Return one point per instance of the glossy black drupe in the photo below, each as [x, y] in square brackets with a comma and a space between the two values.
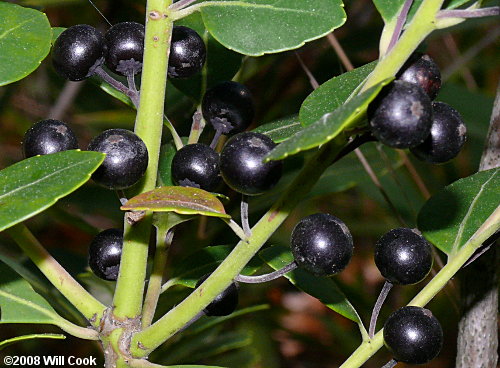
[448, 135]
[401, 116]
[228, 107]
[48, 136]
[105, 253]
[126, 158]
[187, 53]
[225, 303]
[403, 256]
[78, 51]
[124, 47]
[322, 244]
[421, 70]
[196, 165]
[413, 335]
[241, 164]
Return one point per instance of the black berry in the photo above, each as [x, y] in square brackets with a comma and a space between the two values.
[196, 165]
[78, 51]
[228, 107]
[187, 53]
[48, 136]
[225, 303]
[421, 70]
[322, 244]
[401, 116]
[413, 335]
[242, 167]
[124, 47]
[403, 256]
[105, 253]
[126, 158]
[448, 135]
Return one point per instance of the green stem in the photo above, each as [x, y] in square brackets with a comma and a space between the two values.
[147, 340]
[368, 348]
[149, 123]
[85, 303]
[163, 242]
[423, 23]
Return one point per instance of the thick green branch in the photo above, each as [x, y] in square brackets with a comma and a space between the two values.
[146, 341]
[149, 123]
[423, 23]
[90, 307]
[370, 347]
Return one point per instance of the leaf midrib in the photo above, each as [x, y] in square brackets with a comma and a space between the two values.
[47, 177]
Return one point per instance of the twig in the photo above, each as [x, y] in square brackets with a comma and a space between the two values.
[378, 306]
[134, 96]
[65, 99]
[244, 215]
[390, 364]
[196, 127]
[312, 81]
[469, 13]
[340, 52]
[268, 276]
[400, 24]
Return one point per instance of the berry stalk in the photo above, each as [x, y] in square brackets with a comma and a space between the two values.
[148, 126]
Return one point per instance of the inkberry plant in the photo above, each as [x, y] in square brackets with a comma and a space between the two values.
[422, 70]
[126, 158]
[187, 53]
[413, 335]
[223, 304]
[447, 136]
[196, 165]
[78, 51]
[127, 327]
[322, 244]
[124, 47]
[48, 136]
[105, 253]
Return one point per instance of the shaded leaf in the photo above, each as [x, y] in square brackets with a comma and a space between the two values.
[221, 64]
[451, 216]
[32, 185]
[332, 94]
[25, 38]
[167, 153]
[268, 26]
[5, 343]
[453, 4]
[56, 31]
[323, 288]
[189, 270]
[388, 9]
[329, 126]
[280, 130]
[19, 303]
[182, 200]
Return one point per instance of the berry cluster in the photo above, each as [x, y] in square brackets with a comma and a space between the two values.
[404, 116]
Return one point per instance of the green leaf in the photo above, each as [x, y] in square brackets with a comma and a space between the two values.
[267, 26]
[332, 94]
[189, 270]
[450, 217]
[56, 31]
[323, 288]
[453, 4]
[106, 87]
[32, 185]
[182, 200]
[167, 153]
[388, 9]
[221, 64]
[19, 303]
[280, 130]
[329, 126]
[25, 37]
[5, 343]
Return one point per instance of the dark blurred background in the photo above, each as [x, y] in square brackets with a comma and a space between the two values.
[296, 331]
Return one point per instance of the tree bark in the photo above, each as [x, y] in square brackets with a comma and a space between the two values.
[477, 330]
